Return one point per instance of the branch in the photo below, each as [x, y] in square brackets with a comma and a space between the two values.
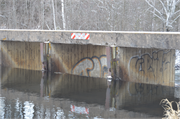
[102, 7]
[175, 19]
[47, 26]
[177, 12]
[163, 6]
[177, 1]
[115, 7]
[153, 7]
[148, 9]
[2, 16]
[161, 18]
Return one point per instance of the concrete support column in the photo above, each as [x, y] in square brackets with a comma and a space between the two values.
[154, 66]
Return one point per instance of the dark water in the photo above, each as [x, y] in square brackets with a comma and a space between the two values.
[33, 94]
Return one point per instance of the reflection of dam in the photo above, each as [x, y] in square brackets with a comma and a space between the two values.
[138, 96]
[93, 90]
[21, 80]
[67, 84]
[51, 95]
[54, 85]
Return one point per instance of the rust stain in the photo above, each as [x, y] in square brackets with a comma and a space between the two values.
[57, 64]
[124, 74]
[49, 45]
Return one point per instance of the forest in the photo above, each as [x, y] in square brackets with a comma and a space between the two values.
[104, 15]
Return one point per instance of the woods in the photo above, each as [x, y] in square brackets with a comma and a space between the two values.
[106, 15]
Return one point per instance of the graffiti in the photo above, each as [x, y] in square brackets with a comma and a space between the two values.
[94, 66]
[144, 63]
[140, 89]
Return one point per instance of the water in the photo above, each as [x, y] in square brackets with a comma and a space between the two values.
[33, 94]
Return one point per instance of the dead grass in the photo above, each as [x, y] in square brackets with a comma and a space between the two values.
[169, 112]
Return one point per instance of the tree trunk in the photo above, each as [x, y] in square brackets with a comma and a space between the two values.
[63, 16]
[54, 16]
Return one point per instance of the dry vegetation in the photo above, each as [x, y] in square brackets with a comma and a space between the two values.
[169, 112]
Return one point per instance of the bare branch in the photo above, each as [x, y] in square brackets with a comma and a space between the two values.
[177, 1]
[47, 26]
[163, 6]
[3, 16]
[175, 19]
[148, 9]
[176, 12]
[153, 7]
[161, 18]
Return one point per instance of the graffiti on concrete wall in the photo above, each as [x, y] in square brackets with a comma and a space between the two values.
[158, 61]
[91, 66]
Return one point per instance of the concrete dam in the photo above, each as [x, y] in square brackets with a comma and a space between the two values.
[144, 57]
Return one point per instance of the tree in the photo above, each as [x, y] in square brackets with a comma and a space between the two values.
[111, 9]
[63, 14]
[167, 13]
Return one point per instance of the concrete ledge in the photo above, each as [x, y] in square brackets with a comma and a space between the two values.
[161, 40]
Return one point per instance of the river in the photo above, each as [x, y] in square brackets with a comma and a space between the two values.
[35, 94]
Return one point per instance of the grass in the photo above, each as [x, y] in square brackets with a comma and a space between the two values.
[169, 112]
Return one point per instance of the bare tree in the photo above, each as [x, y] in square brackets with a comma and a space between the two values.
[167, 13]
[63, 15]
[54, 16]
[112, 8]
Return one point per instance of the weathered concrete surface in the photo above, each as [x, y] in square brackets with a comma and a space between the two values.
[85, 60]
[153, 66]
[161, 40]
[23, 55]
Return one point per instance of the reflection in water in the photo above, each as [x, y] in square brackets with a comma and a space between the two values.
[140, 97]
[18, 108]
[39, 111]
[79, 110]
[35, 94]
[60, 113]
[2, 107]
[47, 113]
[28, 110]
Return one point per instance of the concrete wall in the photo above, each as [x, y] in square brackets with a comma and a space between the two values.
[85, 60]
[154, 66]
[23, 55]
[161, 40]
